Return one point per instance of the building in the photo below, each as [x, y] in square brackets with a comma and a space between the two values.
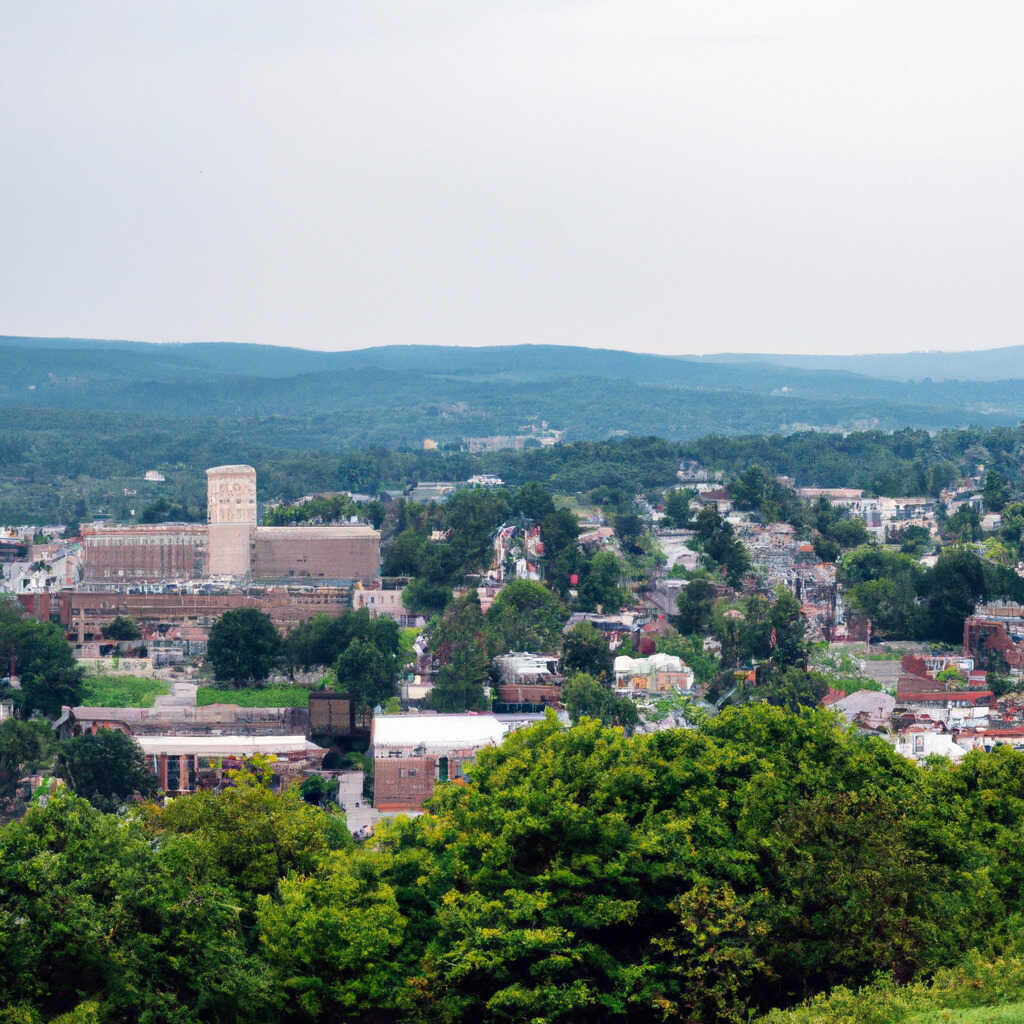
[921, 740]
[231, 513]
[183, 764]
[315, 552]
[528, 679]
[335, 714]
[413, 752]
[231, 544]
[130, 554]
[659, 673]
[384, 597]
[168, 719]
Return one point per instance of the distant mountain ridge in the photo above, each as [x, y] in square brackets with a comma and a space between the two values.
[1005, 363]
[397, 395]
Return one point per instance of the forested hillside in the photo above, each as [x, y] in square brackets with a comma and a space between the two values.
[398, 395]
[57, 466]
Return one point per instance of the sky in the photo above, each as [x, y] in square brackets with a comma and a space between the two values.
[673, 177]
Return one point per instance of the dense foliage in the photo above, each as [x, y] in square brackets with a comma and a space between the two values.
[43, 662]
[581, 876]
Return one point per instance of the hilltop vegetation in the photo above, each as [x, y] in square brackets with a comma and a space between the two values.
[698, 875]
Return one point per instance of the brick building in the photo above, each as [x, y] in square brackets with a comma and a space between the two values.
[84, 613]
[529, 679]
[231, 543]
[413, 752]
[164, 551]
[990, 641]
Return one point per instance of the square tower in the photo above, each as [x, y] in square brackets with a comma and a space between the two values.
[231, 515]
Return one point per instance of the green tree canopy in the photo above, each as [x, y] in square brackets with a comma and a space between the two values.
[106, 767]
[243, 646]
[525, 616]
[121, 627]
[601, 587]
[365, 673]
[585, 649]
[43, 660]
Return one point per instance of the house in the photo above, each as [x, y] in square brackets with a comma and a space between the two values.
[954, 708]
[986, 739]
[718, 498]
[528, 679]
[659, 673]
[869, 710]
[412, 752]
[923, 739]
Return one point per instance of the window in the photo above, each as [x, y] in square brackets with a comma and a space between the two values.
[918, 744]
[394, 753]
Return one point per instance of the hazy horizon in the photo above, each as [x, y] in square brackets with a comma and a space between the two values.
[649, 177]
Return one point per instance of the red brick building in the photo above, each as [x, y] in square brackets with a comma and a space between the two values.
[411, 753]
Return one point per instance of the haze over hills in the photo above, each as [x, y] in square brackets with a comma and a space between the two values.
[397, 395]
[984, 365]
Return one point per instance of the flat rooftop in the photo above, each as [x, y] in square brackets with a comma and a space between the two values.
[445, 732]
[227, 746]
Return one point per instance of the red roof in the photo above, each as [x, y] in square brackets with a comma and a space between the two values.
[975, 697]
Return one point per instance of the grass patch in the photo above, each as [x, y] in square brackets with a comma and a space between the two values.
[105, 691]
[976, 992]
[1009, 1013]
[263, 697]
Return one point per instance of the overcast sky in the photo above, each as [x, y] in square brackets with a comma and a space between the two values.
[674, 177]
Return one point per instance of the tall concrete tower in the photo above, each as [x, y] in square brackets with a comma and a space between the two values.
[231, 515]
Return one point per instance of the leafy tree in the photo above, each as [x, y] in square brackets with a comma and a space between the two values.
[165, 511]
[951, 590]
[460, 643]
[102, 923]
[601, 586]
[1011, 526]
[792, 688]
[996, 492]
[915, 540]
[24, 746]
[43, 660]
[827, 549]
[964, 524]
[248, 837]
[695, 603]
[317, 790]
[721, 546]
[629, 529]
[525, 616]
[532, 501]
[403, 556]
[677, 507]
[560, 530]
[459, 685]
[585, 649]
[364, 672]
[423, 596]
[106, 767]
[584, 695]
[121, 627]
[337, 938]
[243, 646]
